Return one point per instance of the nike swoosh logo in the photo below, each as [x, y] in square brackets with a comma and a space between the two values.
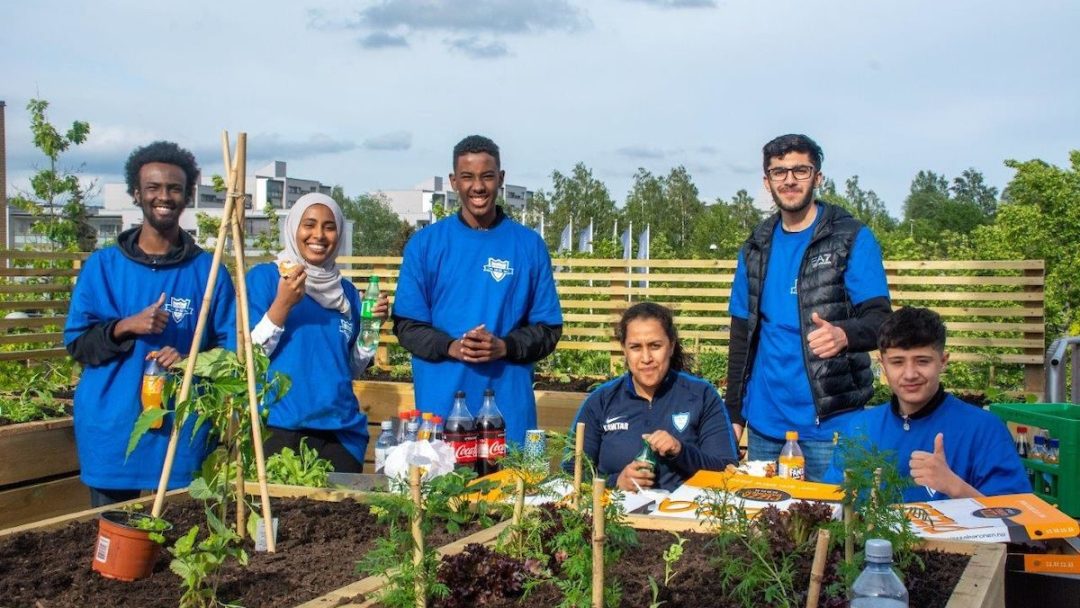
[610, 420]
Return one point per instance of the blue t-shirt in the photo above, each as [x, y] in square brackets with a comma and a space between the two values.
[778, 397]
[314, 351]
[107, 399]
[687, 407]
[455, 278]
[978, 446]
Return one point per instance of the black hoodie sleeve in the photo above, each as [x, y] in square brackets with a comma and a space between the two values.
[738, 350]
[422, 340]
[531, 343]
[97, 346]
[862, 328]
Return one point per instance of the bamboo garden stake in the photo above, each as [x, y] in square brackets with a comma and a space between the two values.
[189, 368]
[418, 534]
[598, 543]
[849, 520]
[579, 451]
[243, 333]
[519, 505]
[817, 570]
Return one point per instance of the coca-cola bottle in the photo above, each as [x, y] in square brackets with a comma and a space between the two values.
[460, 432]
[492, 431]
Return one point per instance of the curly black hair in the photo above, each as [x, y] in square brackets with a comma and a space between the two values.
[663, 314]
[912, 327]
[475, 144]
[162, 152]
[793, 142]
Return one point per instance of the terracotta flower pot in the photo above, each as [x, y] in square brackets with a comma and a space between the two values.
[124, 552]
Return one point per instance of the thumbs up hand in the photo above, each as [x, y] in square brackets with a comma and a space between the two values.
[931, 469]
[827, 340]
[150, 320]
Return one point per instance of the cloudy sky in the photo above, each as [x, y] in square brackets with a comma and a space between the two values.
[373, 94]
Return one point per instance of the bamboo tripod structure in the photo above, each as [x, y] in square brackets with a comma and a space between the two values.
[232, 216]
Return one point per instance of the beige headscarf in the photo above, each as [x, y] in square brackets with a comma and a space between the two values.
[323, 282]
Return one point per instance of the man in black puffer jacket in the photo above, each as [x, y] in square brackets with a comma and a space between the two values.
[807, 300]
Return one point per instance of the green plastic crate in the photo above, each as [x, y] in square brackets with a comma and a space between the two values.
[1062, 422]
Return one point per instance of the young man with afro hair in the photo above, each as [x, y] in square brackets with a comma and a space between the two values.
[135, 301]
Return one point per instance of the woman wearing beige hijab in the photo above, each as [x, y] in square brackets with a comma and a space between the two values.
[307, 320]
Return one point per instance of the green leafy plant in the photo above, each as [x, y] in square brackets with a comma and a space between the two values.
[297, 469]
[445, 502]
[218, 397]
[30, 404]
[139, 520]
[196, 561]
[671, 556]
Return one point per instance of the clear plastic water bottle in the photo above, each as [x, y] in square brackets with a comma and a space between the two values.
[412, 430]
[370, 325]
[383, 444]
[878, 586]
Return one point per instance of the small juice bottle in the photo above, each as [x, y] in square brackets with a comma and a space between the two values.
[153, 386]
[792, 463]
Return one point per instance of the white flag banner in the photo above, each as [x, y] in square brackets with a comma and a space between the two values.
[585, 239]
[643, 253]
[627, 240]
[566, 239]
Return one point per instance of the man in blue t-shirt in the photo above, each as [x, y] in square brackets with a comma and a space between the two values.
[951, 449]
[807, 299]
[135, 301]
[475, 302]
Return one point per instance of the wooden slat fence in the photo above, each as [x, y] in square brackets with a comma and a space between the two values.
[993, 309]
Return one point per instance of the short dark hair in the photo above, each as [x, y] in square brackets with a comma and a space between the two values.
[912, 327]
[162, 152]
[476, 144]
[792, 142]
[663, 314]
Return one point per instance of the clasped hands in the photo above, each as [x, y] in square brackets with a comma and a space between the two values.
[478, 345]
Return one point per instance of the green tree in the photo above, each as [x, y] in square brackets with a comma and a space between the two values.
[865, 205]
[722, 227]
[1039, 218]
[971, 188]
[581, 197]
[57, 199]
[683, 208]
[644, 203]
[377, 230]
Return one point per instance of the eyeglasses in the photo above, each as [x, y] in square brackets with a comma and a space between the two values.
[801, 173]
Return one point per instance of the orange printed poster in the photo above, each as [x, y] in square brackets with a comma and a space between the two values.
[746, 491]
[992, 519]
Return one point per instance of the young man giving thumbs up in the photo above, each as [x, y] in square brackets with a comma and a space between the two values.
[950, 448]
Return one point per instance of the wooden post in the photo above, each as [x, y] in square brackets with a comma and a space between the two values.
[417, 534]
[1035, 373]
[817, 570]
[579, 452]
[849, 521]
[598, 544]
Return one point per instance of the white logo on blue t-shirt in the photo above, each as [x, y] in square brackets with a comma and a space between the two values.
[346, 328]
[498, 269]
[680, 421]
[178, 308]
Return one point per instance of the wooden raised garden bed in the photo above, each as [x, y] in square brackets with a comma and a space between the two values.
[335, 597]
[39, 472]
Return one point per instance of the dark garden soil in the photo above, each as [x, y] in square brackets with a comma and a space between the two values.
[696, 582]
[318, 546]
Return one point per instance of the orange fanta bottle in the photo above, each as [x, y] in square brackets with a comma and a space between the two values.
[792, 463]
[153, 386]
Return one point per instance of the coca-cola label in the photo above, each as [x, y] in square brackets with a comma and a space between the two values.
[465, 449]
[492, 445]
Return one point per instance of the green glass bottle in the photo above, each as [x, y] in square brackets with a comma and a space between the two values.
[647, 455]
